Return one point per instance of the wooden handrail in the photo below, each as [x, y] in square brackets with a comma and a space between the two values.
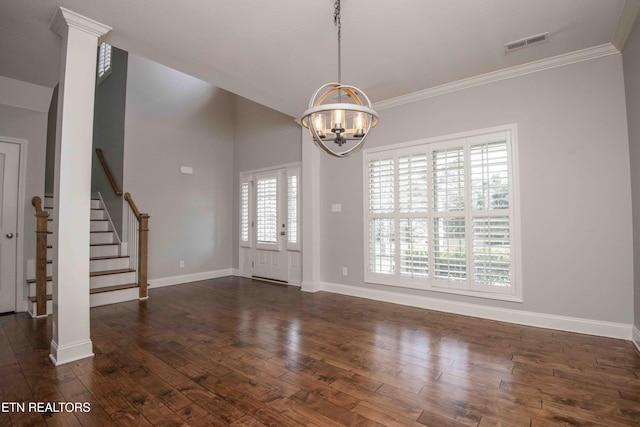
[41, 257]
[134, 208]
[107, 171]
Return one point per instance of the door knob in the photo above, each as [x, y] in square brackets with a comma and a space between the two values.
[9, 235]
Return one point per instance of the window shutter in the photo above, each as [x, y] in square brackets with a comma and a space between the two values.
[244, 213]
[293, 208]
[490, 176]
[267, 210]
[104, 61]
[492, 251]
[381, 186]
[448, 179]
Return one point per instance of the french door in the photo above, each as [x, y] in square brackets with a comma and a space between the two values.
[269, 209]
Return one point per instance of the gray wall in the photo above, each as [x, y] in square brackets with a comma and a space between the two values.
[262, 138]
[574, 186]
[631, 59]
[108, 134]
[175, 120]
[52, 123]
[32, 126]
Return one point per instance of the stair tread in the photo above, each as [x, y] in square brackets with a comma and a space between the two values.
[102, 231]
[97, 258]
[98, 290]
[113, 288]
[103, 244]
[108, 272]
[95, 274]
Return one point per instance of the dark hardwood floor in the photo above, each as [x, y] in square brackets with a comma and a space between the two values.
[242, 352]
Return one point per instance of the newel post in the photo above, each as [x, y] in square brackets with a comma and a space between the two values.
[142, 255]
[42, 218]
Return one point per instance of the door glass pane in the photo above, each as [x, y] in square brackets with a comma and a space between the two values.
[267, 210]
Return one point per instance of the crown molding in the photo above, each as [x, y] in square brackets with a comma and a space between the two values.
[495, 76]
[628, 17]
[65, 18]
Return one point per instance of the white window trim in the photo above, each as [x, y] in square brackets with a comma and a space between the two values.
[465, 288]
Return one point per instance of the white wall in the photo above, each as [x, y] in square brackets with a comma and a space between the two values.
[174, 120]
[262, 138]
[574, 186]
[631, 59]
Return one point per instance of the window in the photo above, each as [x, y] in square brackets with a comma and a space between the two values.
[245, 211]
[441, 215]
[104, 61]
[293, 208]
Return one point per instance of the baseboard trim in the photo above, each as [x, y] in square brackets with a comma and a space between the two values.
[70, 352]
[186, 278]
[636, 337]
[528, 318]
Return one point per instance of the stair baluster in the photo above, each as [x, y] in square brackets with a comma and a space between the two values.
[41, 257]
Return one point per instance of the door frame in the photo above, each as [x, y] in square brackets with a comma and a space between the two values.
[20, 302]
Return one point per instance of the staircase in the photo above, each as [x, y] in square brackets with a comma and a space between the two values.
[111, 276]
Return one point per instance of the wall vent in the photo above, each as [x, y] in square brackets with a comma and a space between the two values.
[519, 44]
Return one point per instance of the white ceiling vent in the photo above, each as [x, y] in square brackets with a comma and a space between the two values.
[519, 44]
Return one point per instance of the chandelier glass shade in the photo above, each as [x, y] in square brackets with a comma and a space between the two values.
[344, 123]
[339, 116]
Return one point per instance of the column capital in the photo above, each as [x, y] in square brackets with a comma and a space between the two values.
[65, 18]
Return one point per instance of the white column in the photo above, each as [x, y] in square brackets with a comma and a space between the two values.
[311, 261]
[71, 338]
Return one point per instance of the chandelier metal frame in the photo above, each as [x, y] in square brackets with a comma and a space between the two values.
[363, 116]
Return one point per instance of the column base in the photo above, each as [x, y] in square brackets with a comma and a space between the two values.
[71, 352]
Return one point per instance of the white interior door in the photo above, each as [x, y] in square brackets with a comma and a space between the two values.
[270, 254]
[9, 168]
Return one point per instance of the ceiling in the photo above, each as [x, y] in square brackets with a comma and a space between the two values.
[278, 52]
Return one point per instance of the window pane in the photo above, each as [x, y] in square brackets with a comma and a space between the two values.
[267, 210]
[491, 251]
[412, 183]
[381, 186]
[104, 59]
[292, 208]
[414, 247]
[381, 245]
[244, 212]
[448, 179]
[490, 176]
[449, 247]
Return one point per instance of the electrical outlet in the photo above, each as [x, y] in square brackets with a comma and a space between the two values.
[345, 271]
[181, 263]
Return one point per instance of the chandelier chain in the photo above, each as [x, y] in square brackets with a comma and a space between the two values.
[338, 24]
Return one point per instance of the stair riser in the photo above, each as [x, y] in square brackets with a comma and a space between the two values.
[97, 300]
[95, 204]
[33, 308]
[107, 250]
[114, 297]
[98, 214]
[100, 225]
[32, 288]
[100, 238]
[112, 280]
[108, 264]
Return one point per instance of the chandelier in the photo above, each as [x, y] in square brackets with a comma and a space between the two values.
[339, 128]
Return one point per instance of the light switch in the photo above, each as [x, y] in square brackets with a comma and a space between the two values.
[187, 170]
[336, 207]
